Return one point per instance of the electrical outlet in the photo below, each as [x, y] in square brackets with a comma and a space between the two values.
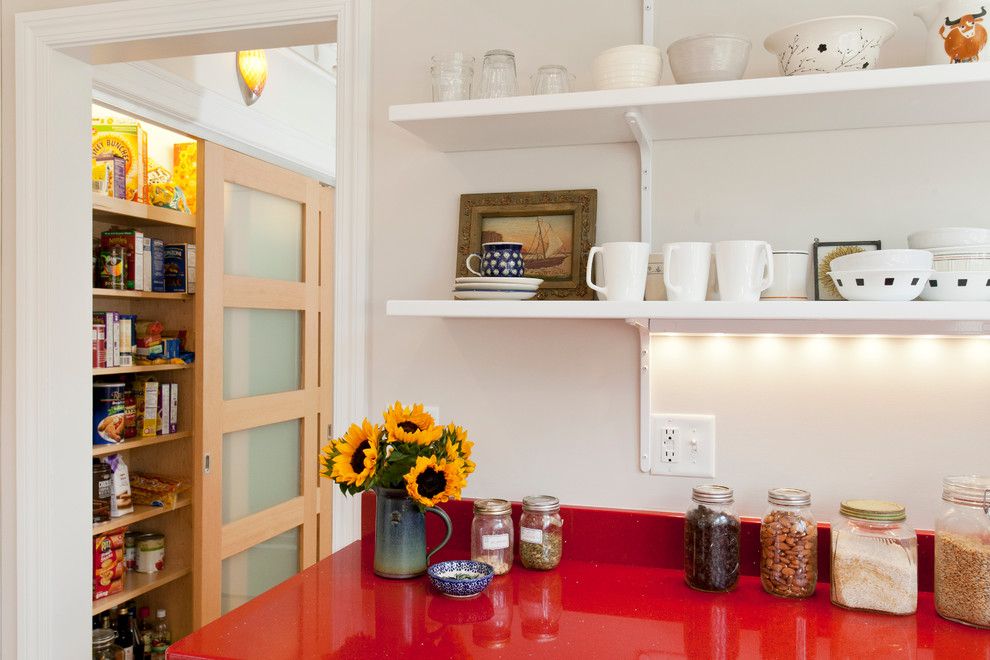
[683, 445]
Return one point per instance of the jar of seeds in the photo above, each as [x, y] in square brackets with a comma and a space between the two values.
[491, 534]
[962, 551]
[711, 540]
[789, 544]
[541, 542]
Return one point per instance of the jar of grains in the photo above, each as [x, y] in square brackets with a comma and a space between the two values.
[874, 558]
[491, 534]
[789, 544]
[540, 539]
[711, 540]
[962, 551]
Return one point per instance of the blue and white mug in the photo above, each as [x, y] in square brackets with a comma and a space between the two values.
[499, 260]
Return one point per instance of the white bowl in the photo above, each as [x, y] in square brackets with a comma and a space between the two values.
[708, 57]
[949, 237]
[624, 70]
[828, 45]
[968, 286]
[884, 260]
[880, 285]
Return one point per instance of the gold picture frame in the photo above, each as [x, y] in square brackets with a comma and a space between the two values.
[556, 228]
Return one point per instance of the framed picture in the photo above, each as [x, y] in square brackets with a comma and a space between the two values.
[824, 253]
[556, 229]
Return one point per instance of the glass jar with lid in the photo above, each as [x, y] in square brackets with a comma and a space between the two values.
[789, 544]
[103, 648]
[711, 539]
[874, 558]
[541, 541]
[491, 534]
[962, 551]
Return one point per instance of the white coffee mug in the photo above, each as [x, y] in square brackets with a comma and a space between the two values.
[685, 270]
[745, 269]
[790, 276]
[624, 266]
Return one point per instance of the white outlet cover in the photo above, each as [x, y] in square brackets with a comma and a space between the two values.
[696, 445]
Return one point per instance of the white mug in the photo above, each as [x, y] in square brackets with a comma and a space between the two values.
[745, 269]
[790, 276]
[685, 270]
[624, 265]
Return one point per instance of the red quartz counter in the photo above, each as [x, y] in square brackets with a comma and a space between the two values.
[584, 609]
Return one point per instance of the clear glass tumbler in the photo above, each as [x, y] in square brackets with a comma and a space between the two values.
[452, 76]
[551, 79]
[498, 75]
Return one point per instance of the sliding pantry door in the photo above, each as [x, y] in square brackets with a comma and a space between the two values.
[267, 377]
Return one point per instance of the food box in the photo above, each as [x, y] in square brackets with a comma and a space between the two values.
[157, 264]
[184, 171]
[110, 176]
[126, 140]
[108, 563]
[132, 241]
[180, 267]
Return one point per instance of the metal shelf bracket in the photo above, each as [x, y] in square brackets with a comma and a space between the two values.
[648, 22]
[645, 141]
[645, 419]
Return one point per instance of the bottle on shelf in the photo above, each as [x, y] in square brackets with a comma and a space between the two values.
[147, 631]
[161, 637]
[125, 637]
[132, 611]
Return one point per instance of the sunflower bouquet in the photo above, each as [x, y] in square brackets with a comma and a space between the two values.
[431, 463]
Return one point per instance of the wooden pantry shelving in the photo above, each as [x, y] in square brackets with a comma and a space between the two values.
[139, 369]
[141, 512]
[138, 214]
[139, 584]
[140, 295]
[138, 443]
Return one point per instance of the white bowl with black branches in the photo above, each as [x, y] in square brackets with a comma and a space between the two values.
[830, 45]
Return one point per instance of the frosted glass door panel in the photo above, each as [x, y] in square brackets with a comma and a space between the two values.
[260, 468]
[261, 351]
[262, 234]
[259, 568]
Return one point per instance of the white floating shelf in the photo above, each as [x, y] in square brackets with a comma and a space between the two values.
[910, 96]
[765, 317]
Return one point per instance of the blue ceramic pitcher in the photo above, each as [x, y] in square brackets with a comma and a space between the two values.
[400, 534]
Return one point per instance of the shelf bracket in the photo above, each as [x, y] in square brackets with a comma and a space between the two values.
[645, 390]
[645, 141]
[648, 22]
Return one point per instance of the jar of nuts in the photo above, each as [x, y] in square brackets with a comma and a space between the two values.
[962, 551]
[789, 544]
[711, 540]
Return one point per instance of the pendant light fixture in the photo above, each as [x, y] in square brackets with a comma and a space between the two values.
[252, 73]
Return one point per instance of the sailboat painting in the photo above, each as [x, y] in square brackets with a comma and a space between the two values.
[547, 242]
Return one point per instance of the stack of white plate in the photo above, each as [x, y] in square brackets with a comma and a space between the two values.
[628, 66]
[961, 263]
[496, 288]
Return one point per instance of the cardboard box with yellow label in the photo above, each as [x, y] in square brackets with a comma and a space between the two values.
[128, 141]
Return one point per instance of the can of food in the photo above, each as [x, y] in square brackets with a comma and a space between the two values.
[108, 413]
[130, 550]
[150, 553]
[102, 491]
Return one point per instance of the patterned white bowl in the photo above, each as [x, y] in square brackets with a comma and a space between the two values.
[829, 45]
[880, 285]
[963, 286]
[708, 58]
[884, 260]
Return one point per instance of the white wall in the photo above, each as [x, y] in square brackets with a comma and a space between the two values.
[553, 405]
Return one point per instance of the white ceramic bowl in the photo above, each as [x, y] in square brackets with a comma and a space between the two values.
[884, 260]
[708, 57]
[630, 70]
[828, 45]
[628, 66]
[949, 237]
[880, 285]
[967, 286]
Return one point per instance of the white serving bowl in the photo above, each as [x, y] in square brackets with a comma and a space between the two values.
[628, 66]
[884, 260]
[880, 285]
[828, 45]
[632, 69]
[949, 237]
[962, 286]
[708, 58]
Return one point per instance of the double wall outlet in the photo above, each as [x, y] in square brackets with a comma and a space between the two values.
[683, 445]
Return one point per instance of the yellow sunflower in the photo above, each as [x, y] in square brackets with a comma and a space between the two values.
[432, 481]
[413, 425]
[356, 454]
[459, 447]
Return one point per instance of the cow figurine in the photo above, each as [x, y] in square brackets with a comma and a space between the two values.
[966, 37]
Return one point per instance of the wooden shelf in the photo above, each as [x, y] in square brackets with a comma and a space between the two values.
[138, 584]
[147, 295]
[111, 371]
[137, 443]
[907, 96]
[136, 214]
[141, 512]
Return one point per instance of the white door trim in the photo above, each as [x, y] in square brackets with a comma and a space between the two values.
[44, 297]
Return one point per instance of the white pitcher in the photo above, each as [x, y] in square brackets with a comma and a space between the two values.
[955, 30]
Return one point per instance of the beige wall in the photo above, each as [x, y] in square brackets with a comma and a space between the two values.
[553, 405]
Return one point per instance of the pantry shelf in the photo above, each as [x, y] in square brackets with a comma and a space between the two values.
[147, 295]
[138, 584]
[104, 450]
[141, 512]
[137, 214]
[111, 371]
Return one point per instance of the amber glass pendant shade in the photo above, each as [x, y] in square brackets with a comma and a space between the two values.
[252, 73]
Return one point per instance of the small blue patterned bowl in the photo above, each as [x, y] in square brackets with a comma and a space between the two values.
[460, 578]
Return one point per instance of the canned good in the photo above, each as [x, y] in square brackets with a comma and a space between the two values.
[150, 553]
[102, 491]
[130, 550]
[108, 413]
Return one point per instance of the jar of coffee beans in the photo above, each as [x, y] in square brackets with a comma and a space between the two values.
[711, 540]
[541, 542]
[789, 544]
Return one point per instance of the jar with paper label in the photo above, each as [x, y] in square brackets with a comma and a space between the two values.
[491, 534]
[541, 541]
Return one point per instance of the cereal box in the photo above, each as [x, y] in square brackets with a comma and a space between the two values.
[184, 171]
[110, 176]
[130, 142]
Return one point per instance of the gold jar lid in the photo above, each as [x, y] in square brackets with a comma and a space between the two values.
[492, 507]
[876, 510]
[712, 494]
[541, 504]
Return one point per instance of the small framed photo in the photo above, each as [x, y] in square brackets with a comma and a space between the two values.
[824, 253]
[556, 229]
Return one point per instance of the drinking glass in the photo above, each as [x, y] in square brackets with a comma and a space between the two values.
[452, 76]
[551, 79]
[498, 74]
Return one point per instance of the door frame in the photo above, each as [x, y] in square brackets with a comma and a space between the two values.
[44, 590]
